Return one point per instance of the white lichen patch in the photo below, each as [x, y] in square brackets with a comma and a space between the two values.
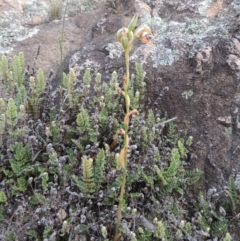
[15, 22]
[203, 6]
[115, 50]
[13, 31]
[173, 38]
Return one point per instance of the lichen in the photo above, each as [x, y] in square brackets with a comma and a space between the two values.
[203, 6]
[115, 50]
[174, 39]
[10, 31]
[83, 5]
[236, 5]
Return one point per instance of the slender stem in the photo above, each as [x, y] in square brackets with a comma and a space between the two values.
[121, 196]
[127, 80]
[61, 43]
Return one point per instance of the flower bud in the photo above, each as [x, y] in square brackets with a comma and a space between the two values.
[48, 133]
[104, 231]
[22, 108]
[121, 32]
[124, 42]
[137, 94]
[32, 82]
[133, 23]
[130, 35]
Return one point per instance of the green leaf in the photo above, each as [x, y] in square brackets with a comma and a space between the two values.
[16, 165]
[33, 234]
[11, 236]
[11, 112]
[3, 198]
[18, 75]
[98, 172]
[87, 77]
[82, 227]
[41, 83]
[4, 67]
[1, 213]
[47, 231]
[37, 199]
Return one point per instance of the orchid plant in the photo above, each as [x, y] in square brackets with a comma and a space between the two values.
[127, 36]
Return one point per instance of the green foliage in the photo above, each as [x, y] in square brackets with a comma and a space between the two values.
[11, 236]
[227, 237]
[160, 230]
[182, 150]
[83, 123]
[191, 176]
[188, 228]
[69, 83]
[22, 158]
[11, 114]
[37, 90]
[4, 67]
[18, 69]
[209, 219]
[219, 228]
[86, 185]
[1, 213]
[174, 164]
[41, 83]
[36, 199]
[172, 135]
[33, 234]
[148, 179]
[137, 87]
[21, 96]
[87, 76]
[233, 195]
[99, 168]
[3, 198]
[47, 231]
[21, 185]
[44, 177]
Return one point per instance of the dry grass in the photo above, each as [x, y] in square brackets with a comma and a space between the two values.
[55, 9]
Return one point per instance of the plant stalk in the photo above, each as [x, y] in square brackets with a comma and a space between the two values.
[122, 191]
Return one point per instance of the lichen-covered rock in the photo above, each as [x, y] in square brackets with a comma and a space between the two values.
[19, 19]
